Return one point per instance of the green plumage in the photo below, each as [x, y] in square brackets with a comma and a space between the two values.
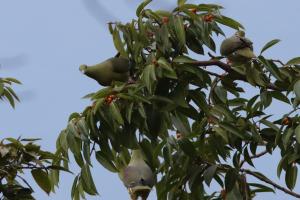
[237, 48]
[137, 177]
[113, 69]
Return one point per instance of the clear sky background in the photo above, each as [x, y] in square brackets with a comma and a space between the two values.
[44, 42]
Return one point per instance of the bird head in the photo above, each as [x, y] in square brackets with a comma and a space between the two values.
[83, 68]
[240, 33]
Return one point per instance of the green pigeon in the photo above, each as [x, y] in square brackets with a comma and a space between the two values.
[237, 48]
[112, 69]
[137, 176]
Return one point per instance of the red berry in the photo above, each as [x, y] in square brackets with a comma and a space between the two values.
[165, 20]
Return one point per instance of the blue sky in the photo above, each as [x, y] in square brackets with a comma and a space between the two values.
[44, 42]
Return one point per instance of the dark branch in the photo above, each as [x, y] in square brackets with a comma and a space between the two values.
[266, 180]
[254, 156]
[228, 69]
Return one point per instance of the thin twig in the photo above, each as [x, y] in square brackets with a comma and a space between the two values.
[266, 180]
[213, 74]
[278, 61]
[25, 182]
[93, 148]
[227, 68]
[254, 156]
[260, 177]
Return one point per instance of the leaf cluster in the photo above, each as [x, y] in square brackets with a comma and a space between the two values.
[220, 123]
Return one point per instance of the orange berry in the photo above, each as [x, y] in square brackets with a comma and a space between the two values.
[154, 62]
[165, 20]
[110, 98]
[228, 61]
[208, 18]
[179, 135]
[286, 121]
[211, 120]
[150, 34]
[223, 194]
[193, 10]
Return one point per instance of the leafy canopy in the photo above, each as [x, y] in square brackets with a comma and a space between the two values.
[174, 88]
[19, 155]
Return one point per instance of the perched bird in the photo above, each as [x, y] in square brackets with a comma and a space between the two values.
[137, 177]
[237, 48]
[113, 69]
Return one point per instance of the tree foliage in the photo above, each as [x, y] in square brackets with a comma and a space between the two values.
[197, 120]
[20, 155]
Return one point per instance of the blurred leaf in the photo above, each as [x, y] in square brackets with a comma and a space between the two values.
[187, 147]
[297, 134]
[294, 61]
[269, 44]
[232, 129]
[209, 174]
[229, 22]
[291, 176]
[181, 2]
[149, 76]
[260, 188]
[141, 7]
[115, 112]
[118, 43]
[105, 161]
[230, 179]
[297, 89]
[87, 180]
[42, 179]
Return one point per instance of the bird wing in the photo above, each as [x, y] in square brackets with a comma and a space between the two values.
[120, 65]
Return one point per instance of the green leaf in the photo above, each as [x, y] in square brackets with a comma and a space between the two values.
[260, 188]
[168, 70]
[297, 134]
[74, 187]
[296, 89]
[209, 174]
[269, 124]
[232, 129]
[294, 61]
[247, 157]
[180, 124]
[181, 2]
[9, 98]
[13, 80]
[116, 114]
[149, 76]
[42, 179]
[187, 147]
[118, 43]
[105, 161]
[269, 44]
[180, 32]
[230, 179]
[141, 7]
[281, 164]
[221, 93]
[87, 180]
[271, 67]
[291, 176]
[183, 59]
[229, 22]
[279, 96]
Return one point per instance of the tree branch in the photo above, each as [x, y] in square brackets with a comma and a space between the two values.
[254, 156]
[226, 67]
[266, 180]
